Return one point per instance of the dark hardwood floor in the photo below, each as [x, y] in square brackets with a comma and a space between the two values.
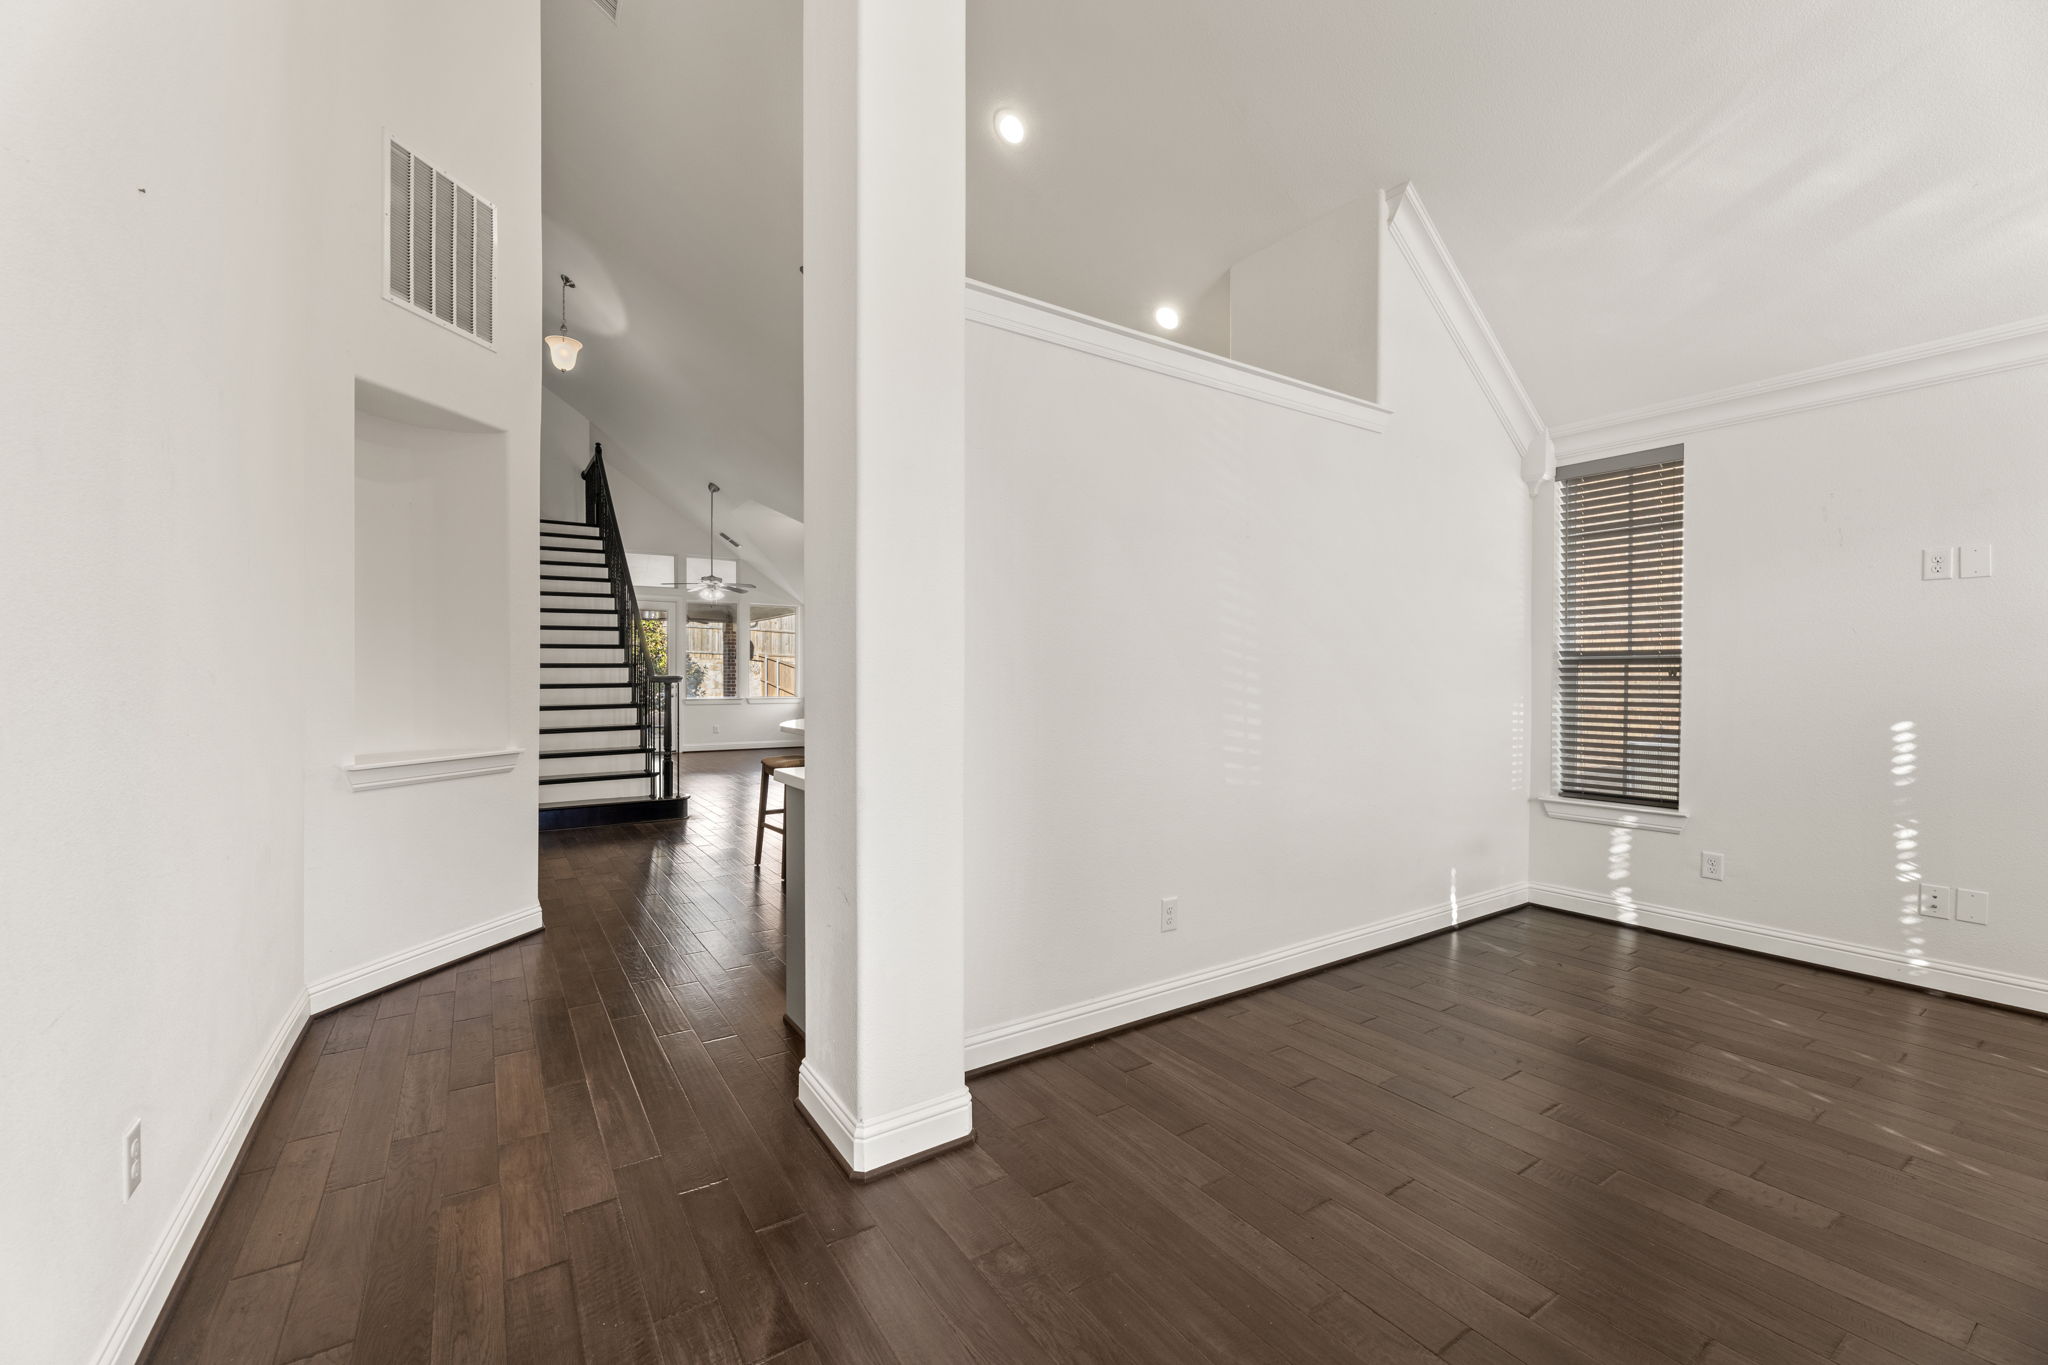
[1537, 1140]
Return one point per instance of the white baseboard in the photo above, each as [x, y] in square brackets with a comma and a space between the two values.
[1054, 1028]
[793, 742]
[1954, 978]
[879, 1142]
[372, 977]
[145, 1303]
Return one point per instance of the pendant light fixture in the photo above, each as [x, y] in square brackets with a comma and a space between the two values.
[562, 347]
[712, 588]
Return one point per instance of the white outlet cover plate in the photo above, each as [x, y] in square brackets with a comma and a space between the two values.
[1973, 907]
[1974, 561]
[1935, 900]
[1937, 564]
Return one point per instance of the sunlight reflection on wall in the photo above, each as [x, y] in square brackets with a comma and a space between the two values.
[1620, 856]
[1905, 765]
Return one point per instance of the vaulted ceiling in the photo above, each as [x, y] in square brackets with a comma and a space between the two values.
[1648, 200]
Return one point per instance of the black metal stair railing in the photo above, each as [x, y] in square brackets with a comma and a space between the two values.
[653, 692]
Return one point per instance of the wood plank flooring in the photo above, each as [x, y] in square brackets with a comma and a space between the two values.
[1538, 1140]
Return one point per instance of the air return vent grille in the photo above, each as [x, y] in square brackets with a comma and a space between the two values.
[441, 245]
[610, 7]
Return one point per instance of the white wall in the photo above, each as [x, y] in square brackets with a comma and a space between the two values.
[564, 450]
[1258, 659]
[399, 876]
[1307, 305]
[193, 220]
[150, 679]
[432, 620]
[1810, 640]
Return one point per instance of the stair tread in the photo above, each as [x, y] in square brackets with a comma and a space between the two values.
[568, 778]
[584, 611]
[557, 521]
[590, 706]
[597, 753]
[586, 729]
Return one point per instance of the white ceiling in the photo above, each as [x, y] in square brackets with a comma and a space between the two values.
[672, 157]
[1650, 200]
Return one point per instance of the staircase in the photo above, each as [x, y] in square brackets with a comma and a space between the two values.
[605, 713]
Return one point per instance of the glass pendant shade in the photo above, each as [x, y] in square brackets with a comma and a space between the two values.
[562, 350]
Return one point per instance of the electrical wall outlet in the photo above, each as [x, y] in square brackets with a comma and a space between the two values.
[1169, 914]
[131, 1161]
[714, 729]
[1973, 907]
[1936, 902]
[1974, 561]
[1713, 866]
[1938, 563]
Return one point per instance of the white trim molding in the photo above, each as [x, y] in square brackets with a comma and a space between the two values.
[1001, 309]
[1057, 1027]
[145, 1303]
[1954, 978]
[411, 769]
[1408, 223]
[2010, 347]
[869, 1145]
[1613, 813]
[339, 989]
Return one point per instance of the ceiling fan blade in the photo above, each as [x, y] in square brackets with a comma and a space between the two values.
[739, 587]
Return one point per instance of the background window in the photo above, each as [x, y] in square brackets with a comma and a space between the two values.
[1620, 613]
[771, 651]
[654, 635]
[711, 663]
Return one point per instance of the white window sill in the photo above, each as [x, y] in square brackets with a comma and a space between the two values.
[712, 701]
[372, 772]
[1610, 813]
[775, 701]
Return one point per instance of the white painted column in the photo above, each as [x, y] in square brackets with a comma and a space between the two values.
[884, 551]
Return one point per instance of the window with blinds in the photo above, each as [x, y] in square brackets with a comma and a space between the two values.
[1620, 619]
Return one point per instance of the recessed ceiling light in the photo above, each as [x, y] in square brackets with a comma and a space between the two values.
[1010, 126]
[1168, 317]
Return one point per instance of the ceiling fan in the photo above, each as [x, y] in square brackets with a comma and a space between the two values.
[711, 587]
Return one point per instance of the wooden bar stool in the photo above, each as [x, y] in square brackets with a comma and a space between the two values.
[761, 825]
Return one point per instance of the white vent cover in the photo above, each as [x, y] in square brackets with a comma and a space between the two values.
[610, 7]
[441, 246]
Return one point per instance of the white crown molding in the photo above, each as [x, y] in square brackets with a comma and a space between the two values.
[357, 982]
[2009, 347]
[1408, 223]
[412, 769]
[1086, 1018]
[145, 1302]
[999, 308]
[874, 1143]
[1955, 978]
